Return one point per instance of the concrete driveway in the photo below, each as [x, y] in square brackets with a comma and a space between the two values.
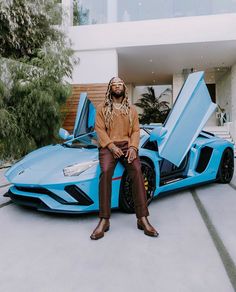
[196, 249]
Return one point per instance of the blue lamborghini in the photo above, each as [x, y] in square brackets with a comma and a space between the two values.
[64, 177]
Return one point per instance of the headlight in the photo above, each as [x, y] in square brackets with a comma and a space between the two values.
[78, 168]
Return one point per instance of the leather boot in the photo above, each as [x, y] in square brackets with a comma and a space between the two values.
[144, 224]
[102, 227]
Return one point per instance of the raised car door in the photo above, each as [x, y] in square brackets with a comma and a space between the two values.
[190, 112]
[85, 117]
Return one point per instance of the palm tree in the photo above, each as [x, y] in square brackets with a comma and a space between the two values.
[154, 110]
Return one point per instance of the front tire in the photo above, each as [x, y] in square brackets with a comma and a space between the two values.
[226, 168]
[126, 202]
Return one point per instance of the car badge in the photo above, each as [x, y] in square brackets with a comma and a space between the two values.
[22, 171]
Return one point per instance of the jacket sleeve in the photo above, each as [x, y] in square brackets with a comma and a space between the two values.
[103, 138]
[135, 133]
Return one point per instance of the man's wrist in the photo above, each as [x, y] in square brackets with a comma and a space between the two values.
[111, 147]
[133, 147]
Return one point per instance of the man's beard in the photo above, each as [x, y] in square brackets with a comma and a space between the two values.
[118, 95]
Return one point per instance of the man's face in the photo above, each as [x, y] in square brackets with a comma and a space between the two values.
[117, 88]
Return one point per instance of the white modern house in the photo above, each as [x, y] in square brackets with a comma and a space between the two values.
[157, 42]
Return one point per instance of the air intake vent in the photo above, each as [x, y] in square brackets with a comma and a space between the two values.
[204, 158]
[39, 190]
[79, 195]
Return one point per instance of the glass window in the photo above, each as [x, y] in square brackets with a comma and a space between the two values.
[92, 12]
[141, 10]
[95, 12]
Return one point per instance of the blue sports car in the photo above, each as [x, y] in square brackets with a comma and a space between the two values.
[64, 177]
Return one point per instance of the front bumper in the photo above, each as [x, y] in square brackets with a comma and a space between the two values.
[46, 200]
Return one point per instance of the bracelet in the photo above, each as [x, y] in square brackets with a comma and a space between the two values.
[134, 148]
[113, 149]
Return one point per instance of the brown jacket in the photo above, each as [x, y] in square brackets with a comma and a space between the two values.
[121, 129]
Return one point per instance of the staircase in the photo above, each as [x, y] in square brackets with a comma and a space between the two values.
[222, 132]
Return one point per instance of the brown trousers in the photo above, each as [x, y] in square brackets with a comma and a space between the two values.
[108, 164]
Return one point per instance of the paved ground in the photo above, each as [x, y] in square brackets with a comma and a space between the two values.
[196, 249]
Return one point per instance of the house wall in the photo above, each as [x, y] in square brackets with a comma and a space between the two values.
[223, 92]
[154, 32]
[97, 45]
[233, 101]
[130, 88]
[95, 66]
[177, 83]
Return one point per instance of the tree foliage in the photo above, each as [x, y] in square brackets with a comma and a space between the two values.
[80, 14]
[24, 27]
[35, 59]
[154, 110]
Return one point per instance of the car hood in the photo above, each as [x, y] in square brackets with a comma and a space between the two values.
[46, 164]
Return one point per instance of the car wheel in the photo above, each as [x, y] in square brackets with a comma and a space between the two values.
[226, 168]
[126, 202]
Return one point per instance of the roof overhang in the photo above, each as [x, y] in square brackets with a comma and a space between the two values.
[157, 64]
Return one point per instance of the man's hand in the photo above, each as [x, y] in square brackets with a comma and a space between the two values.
[131, 154]
[117, 152]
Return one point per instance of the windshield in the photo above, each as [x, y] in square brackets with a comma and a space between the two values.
[89, 140]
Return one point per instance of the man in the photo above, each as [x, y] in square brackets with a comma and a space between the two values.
[118, 132]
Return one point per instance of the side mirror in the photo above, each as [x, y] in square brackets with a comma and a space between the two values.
[64, 134]
[158, 134]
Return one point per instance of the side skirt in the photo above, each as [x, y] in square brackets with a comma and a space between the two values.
[162, 194]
